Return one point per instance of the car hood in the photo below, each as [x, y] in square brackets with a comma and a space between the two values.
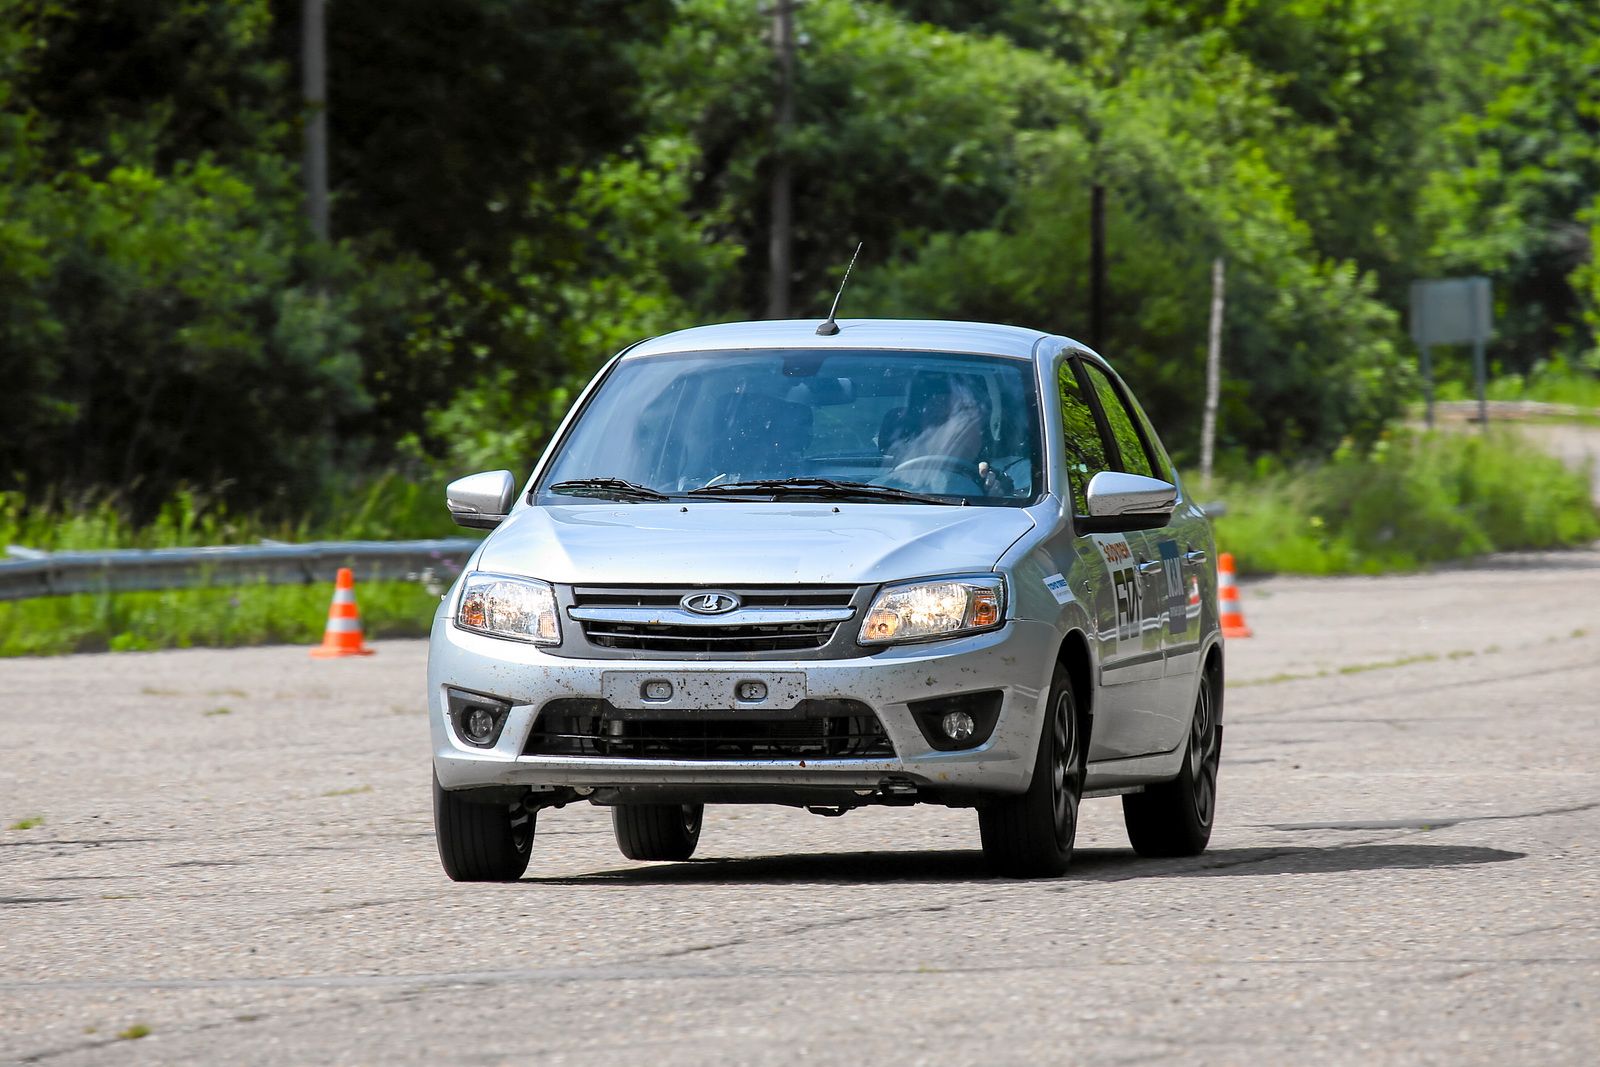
[735, 543]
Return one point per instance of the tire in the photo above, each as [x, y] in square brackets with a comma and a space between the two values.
[1030, 836]
[1174, 818]
[657, 831]
[481, 842]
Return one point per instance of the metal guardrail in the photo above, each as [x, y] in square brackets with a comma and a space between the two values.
[32, 573]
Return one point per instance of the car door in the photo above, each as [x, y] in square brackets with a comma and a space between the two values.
[1187, 555]
[1127, 630]
[1168, 557]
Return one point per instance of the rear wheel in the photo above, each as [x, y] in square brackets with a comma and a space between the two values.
[1174, 818]
[657, 831]
[481, 842]
[1030, 836]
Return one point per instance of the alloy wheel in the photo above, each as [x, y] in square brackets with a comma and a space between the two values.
[1064, 791]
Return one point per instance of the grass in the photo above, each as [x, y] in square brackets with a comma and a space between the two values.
[1553, 382]
[1382, 665]
[1409, 500]
[388, 508]
[29, 823]
[218, 618]
[1404, 661]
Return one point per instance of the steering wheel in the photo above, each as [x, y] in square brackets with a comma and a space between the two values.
[957, 468]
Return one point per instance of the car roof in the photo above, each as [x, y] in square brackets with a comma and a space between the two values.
[931, 335]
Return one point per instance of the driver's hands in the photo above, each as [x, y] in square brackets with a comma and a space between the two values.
[995, 483]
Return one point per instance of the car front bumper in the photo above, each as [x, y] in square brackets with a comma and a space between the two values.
[1015, 660]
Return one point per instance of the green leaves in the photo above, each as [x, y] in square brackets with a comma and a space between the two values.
[521, 188]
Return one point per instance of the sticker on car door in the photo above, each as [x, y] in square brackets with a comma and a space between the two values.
[1119, 563]
[1057, 584]
[1177, 602]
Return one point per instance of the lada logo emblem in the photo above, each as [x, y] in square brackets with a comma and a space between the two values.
[709, 603]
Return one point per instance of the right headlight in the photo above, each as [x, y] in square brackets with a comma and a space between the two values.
[519, 609]
[928, 609]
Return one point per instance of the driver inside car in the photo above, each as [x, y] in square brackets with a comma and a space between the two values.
[940, 440]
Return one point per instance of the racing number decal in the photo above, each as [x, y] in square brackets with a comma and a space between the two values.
[1124, 584]
[1177, 603]
[1129, 610]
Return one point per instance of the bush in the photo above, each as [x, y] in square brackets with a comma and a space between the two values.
[1410, 500]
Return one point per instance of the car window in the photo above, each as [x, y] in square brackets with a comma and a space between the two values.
[1158, 455]
[950, 425]
[1130, 447]
[1080, 435]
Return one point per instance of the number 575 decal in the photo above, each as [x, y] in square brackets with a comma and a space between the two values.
[1125, 589]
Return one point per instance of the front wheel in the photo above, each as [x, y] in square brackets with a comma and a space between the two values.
[657, 831]
[1031, 836]
[1174, 818]
[481, 842]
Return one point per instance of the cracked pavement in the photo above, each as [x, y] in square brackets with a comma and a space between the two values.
[1405, 870]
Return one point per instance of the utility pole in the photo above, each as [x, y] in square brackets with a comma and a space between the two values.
[314, 84]
[1208, 421]
[779, 250]
[1097, 266]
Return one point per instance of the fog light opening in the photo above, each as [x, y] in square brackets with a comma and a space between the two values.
[958, 721]
[958, 726]
[478, 724]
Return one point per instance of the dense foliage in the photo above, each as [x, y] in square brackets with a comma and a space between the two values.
[1406, 501]
[522, 186]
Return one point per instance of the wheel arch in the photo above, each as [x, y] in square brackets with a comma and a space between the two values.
[1075, 657]
[1213, 670]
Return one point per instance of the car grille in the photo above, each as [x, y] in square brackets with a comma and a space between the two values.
[787, 627]
[830, 729]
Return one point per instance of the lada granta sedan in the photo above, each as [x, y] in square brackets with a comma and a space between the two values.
[903, 563]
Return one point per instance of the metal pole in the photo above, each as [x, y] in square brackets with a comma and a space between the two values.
[1427, 380]
[1097, 266]
[1208, 421]
[314, 83]
[1480, 371]
[780, 246]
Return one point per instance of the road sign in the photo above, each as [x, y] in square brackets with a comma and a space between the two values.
[1453, 311]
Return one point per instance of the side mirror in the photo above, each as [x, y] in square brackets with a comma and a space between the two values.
[1119, 503]
[481, 501]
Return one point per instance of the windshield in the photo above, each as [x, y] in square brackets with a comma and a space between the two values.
[958, 428]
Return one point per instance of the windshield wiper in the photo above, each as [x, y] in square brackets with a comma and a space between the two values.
[610, 488]
[817, 487]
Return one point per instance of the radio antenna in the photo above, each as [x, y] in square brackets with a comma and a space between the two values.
[829, 328]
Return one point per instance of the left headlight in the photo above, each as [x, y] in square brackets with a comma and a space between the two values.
[516, 608]
[921, 611]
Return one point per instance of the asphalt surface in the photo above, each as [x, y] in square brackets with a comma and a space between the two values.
[235, 865]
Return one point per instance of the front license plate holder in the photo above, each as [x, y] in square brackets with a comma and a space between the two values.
[704, 692]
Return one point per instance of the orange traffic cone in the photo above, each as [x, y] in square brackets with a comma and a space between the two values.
[1233, 624]
[343, 635]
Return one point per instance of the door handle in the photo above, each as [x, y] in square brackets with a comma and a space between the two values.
[1149, 566]
[1195, 556]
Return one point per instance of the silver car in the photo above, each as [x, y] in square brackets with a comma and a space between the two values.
[906, 562]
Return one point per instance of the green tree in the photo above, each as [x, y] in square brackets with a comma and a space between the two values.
[1515, 199]
[167, 322]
